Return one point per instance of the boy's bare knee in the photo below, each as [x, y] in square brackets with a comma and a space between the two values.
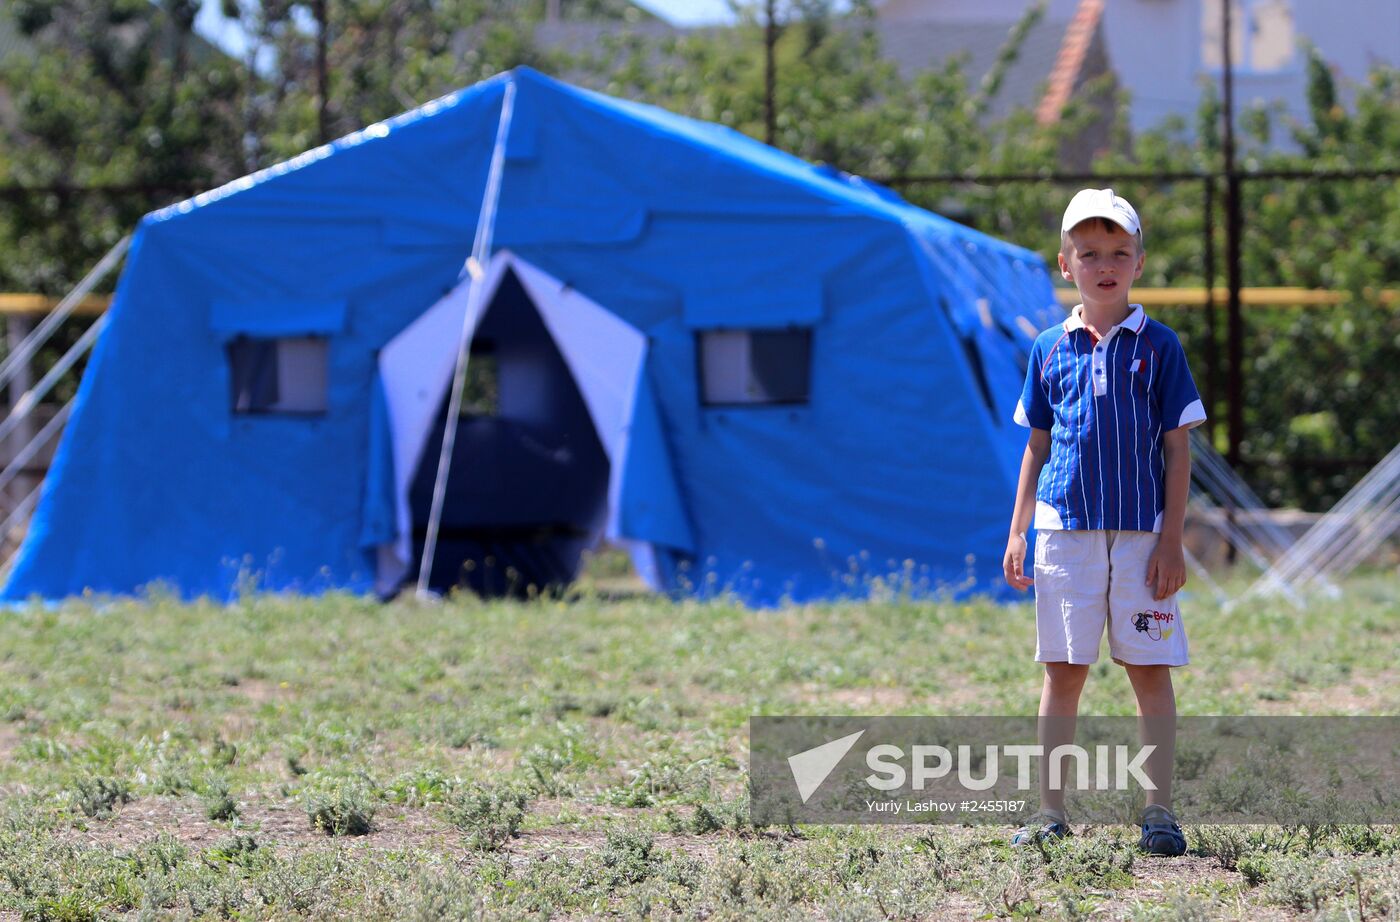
[1069, 675]
[1152, 686]
[1148, 675]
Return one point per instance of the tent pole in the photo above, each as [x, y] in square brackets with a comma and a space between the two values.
[476, 268]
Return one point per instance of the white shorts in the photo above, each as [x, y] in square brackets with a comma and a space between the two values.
[1085, 580]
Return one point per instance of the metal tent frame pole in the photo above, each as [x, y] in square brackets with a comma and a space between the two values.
[30, 399]
[475, 270]
[1371, 510]
[35, 340]
[1215, 484]
[1217, 478]
[14, 370]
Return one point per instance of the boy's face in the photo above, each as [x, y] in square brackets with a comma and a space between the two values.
[1102, 262]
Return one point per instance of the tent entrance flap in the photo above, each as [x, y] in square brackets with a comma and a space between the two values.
[528, 478]
[535, 475]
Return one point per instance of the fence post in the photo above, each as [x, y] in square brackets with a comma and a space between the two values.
[1233, 230]
[770, 73]
[1212, 342]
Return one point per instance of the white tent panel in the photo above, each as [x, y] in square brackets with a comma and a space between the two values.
[607, 357]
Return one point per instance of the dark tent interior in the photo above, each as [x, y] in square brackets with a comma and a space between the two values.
[528, 482]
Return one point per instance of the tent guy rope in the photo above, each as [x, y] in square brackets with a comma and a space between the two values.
[481, 252]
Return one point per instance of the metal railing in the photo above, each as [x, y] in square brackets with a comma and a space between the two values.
[14, 371]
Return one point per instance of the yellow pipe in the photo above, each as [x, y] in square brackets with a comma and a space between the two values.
[1249, 297]
[1148, 297]
[42, 304]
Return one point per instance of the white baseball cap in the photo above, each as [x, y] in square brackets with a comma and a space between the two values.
[1101, 203]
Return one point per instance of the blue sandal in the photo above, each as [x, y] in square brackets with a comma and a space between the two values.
[1041, 826]
[1161, 833]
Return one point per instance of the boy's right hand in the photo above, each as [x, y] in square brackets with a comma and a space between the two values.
[1014, 563]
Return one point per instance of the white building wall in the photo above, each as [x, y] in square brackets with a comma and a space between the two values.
[967, 10]
[1270, 65]
[1155, 46]
[1353, 35]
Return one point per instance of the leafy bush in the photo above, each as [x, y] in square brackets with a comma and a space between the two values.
[345, 810]
[218, 801]
[627, 855]
[96, 796]
[237, 849]
[490, 816]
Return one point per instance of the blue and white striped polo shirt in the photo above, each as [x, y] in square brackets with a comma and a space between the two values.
[1106, 404]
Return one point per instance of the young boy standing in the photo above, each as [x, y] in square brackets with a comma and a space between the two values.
[1109, 401]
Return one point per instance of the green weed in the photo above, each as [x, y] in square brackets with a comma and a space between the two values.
[1098, 861]
[1305, 885]
[490, 816]
[628, 857]
[1225, 844]
[218, 801]
[420, 788]
[238, 849]
[96, 796]
[432, 897]
[709, 817]
[346, 809]
[1176, 908]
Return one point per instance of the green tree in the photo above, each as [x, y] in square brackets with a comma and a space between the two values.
[1320, 383]
[117, 92]
[1315, 411]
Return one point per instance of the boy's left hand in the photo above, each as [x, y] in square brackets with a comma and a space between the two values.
[1166, 569]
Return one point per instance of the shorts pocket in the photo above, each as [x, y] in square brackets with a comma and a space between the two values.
[1061, 547]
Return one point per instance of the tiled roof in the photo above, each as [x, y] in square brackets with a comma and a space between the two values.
[1069, 65]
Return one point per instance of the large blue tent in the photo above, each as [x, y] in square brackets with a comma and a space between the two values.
[759, 375]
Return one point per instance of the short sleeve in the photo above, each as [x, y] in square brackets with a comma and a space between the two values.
[1033, 409]
[1180, 401]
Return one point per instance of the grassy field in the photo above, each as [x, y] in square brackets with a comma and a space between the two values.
[335, 758]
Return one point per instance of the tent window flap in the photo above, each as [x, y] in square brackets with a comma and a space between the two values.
[271, 376]
[755, 367]
[269, 318]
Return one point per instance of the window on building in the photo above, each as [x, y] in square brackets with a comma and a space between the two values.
[271, 376]
[1263, 35]
[755, 366]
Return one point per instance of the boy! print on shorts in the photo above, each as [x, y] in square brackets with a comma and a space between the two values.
[1157, 625]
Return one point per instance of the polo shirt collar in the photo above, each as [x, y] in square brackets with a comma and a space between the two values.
[1133, 323]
